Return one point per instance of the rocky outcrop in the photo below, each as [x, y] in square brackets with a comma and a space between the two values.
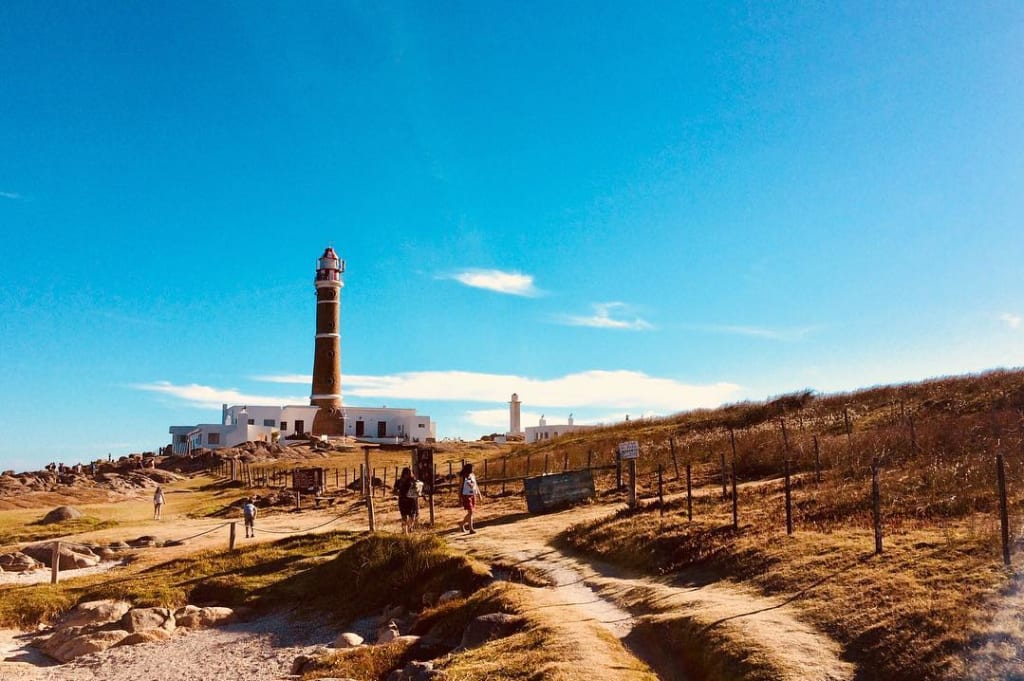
[95, 613]
[194, 617]
[18, 562]
[68, 643]
[146, 619]
[348, 640]
[70, 556]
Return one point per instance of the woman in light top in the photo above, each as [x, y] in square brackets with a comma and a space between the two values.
[158, 502]
[469, 492]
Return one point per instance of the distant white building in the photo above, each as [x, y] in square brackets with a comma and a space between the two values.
[543, 431]
[248, 423]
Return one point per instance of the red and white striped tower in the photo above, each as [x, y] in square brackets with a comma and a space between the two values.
[329, 420]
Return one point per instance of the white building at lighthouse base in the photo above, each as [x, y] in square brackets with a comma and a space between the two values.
[240, 424]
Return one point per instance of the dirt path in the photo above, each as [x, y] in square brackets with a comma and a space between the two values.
[768, 630]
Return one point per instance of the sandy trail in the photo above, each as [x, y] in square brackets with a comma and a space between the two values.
[772, 631]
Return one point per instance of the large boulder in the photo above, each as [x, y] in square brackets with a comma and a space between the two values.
[60, 514]
[70, 556]
[145, 619]
[486, 627]
[18, 562]
[95, 613]
[71, 642]
[348, 640]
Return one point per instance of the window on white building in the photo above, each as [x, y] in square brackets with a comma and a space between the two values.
[269, 422]
[252, 422]
[213, 438]
[284, 425]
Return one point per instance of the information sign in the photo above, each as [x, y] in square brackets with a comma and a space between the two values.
[629, 450]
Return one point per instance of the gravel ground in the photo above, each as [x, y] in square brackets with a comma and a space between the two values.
[259, 650]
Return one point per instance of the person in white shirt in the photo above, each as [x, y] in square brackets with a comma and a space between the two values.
[469, 492]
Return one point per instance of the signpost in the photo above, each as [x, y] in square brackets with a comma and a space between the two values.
[630, 451]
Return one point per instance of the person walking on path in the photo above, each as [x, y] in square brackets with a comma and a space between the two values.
[158, 502]
[249, 511]
[408, 489]
[469, 492]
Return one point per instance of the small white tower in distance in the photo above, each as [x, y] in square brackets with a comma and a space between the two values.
[570, 419]
[513, 416]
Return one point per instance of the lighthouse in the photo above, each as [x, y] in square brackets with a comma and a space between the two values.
[326, 393]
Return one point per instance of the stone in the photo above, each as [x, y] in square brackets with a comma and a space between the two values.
[60, 514]
[388, 632]
[348, 640]
[449, 596]
[487, 627]
[18, 562]
[142, 542]
[147, 636]
[67, 644]
[197, 618]
[302, 664]
[70, 557]
[144, 619]
[95, 613]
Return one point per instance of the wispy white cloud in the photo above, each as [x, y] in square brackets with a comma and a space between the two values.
[602, 318]
[10, 195]
[1011, 320]
[603, 389]
[598, 389]
[511, 283]
[783, 334]
[209, 397]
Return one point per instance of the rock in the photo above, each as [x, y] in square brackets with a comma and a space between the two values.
[144, 619]
[118, 546]
[95, 613]
[60, 514]
[71, 556]
[348, 640]
[388, 632]
[147, 636]
[197, 618]
[302, 664]
[67, 644]
[18, 562]
[142, 542]
[448, 596]
[393, 613]
[486, 627]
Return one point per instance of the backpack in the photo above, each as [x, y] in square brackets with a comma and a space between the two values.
[415, 489]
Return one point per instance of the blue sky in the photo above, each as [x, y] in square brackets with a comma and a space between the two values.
[608, 209]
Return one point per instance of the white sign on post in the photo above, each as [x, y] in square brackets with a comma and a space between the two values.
[629, 450]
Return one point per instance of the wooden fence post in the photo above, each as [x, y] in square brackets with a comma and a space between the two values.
[545, 463]
[661, 491]
[55, 563]
[231, 536]
[369, 493]
[876, 506]
[725, 476]
[362, 479]
[485, 469]
[632, 483]
[817, 461]
[618, 473]
[1004, 519]
[735, 501]
[430, 499]
[565, 462]
[789, 501]
[689, 494]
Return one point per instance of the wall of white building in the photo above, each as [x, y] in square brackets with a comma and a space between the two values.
[259, 423]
